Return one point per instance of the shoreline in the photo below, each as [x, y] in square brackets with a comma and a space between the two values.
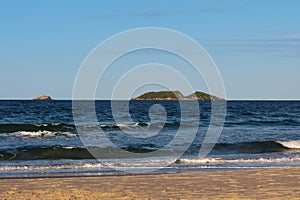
[119, 174]
[267, 183]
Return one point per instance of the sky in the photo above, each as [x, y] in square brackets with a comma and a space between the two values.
[255, 44]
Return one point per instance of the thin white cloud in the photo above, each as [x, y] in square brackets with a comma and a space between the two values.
[163, 12]
[289, 37]
[281, 46]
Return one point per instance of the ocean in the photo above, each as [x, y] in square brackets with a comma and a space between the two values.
[40, 138]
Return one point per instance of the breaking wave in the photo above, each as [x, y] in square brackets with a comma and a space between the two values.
[51, 127]
[234, 161]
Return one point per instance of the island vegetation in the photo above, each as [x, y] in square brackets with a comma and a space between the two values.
[176, 95]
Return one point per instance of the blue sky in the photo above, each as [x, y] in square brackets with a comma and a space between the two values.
[255, 44]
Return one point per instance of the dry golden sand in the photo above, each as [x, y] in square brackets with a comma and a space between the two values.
[275, 183]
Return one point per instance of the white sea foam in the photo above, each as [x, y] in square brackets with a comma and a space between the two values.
[235, 161]
[34, 133]
[120, 125]
[127, 125]
[133, 124]
[41, 134]
[293, 144]
[52, 167]
[68, 134]
[77, 147]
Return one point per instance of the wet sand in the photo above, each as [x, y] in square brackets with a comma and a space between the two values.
[273, 183]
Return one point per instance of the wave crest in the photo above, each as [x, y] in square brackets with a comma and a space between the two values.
[53, 127]
[233, 161]
[293, 144]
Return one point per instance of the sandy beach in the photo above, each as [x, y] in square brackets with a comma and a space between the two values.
[273, 183]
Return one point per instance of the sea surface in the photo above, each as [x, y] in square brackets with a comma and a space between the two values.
[40, 138]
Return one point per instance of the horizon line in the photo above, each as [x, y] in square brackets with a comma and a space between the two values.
[104, 99]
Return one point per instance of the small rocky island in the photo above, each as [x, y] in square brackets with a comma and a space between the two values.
[43, 97]
[176, 95]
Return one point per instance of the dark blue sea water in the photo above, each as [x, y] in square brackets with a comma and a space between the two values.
[39, 138]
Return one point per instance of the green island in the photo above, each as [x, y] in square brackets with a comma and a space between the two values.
[176, 95]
